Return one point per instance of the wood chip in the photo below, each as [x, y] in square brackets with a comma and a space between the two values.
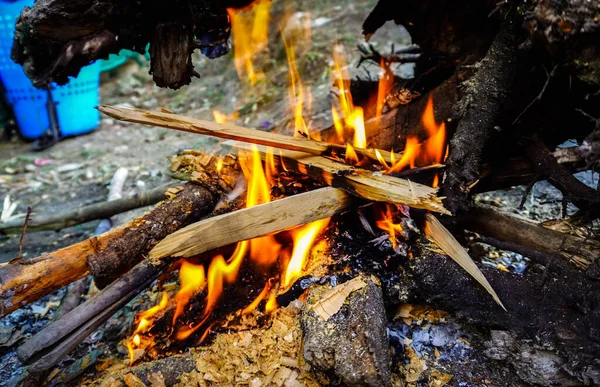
[133, 381]
[333, 300]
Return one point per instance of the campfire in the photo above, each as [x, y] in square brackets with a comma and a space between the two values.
[291, 256]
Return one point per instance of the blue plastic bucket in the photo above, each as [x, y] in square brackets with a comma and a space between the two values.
[75, 102]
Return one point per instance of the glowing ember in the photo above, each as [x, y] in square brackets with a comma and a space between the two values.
[304, 238]
[249, 28]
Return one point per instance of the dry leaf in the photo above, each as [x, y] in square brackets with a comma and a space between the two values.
[442, 237]
[333, 300]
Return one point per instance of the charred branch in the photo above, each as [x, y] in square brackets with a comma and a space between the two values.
[190, 204]
[55, 40]
[478, 110]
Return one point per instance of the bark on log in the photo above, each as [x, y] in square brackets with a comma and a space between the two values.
[26, 281]
[75, 291]
[121, 254]
[56, 340]
[478, 111]
[573, 190]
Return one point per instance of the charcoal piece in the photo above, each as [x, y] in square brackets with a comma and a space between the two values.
[352, 344]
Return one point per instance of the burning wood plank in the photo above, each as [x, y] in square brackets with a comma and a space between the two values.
[232, 132]
[252, 222]
[360, 182]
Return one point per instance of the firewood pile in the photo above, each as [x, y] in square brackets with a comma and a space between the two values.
[302, 260]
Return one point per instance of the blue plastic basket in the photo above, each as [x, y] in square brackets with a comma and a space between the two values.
[75, 102]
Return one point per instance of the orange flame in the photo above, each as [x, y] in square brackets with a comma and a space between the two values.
[349, 116]
[385, 85]
[386, 223]
[298, 95]
[304, 238]
[254, 304]
[223, 118]
[435, 146]
[351, 156]
[220, 271]
[249, 29]
[264, 251]
[191, 279]
[432, 151]
[411, 151]
[145, 323]
[271, 303]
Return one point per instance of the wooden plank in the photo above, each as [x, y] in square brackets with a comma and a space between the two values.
[357, 181]
[232, 132]
[253, 222]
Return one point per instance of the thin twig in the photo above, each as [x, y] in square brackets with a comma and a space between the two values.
[527, 191]
[23, 232]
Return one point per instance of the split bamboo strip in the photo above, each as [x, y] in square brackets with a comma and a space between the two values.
[360, 182]
[232, 132]
[252, 222]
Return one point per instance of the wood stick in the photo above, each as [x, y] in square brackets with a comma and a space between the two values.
[88, 213]
[252, 222]
[580, 252]
[232, 132]
[64, 334]
[27, 281]
[360, 182]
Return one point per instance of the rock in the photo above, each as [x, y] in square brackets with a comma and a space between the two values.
[352, 343]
